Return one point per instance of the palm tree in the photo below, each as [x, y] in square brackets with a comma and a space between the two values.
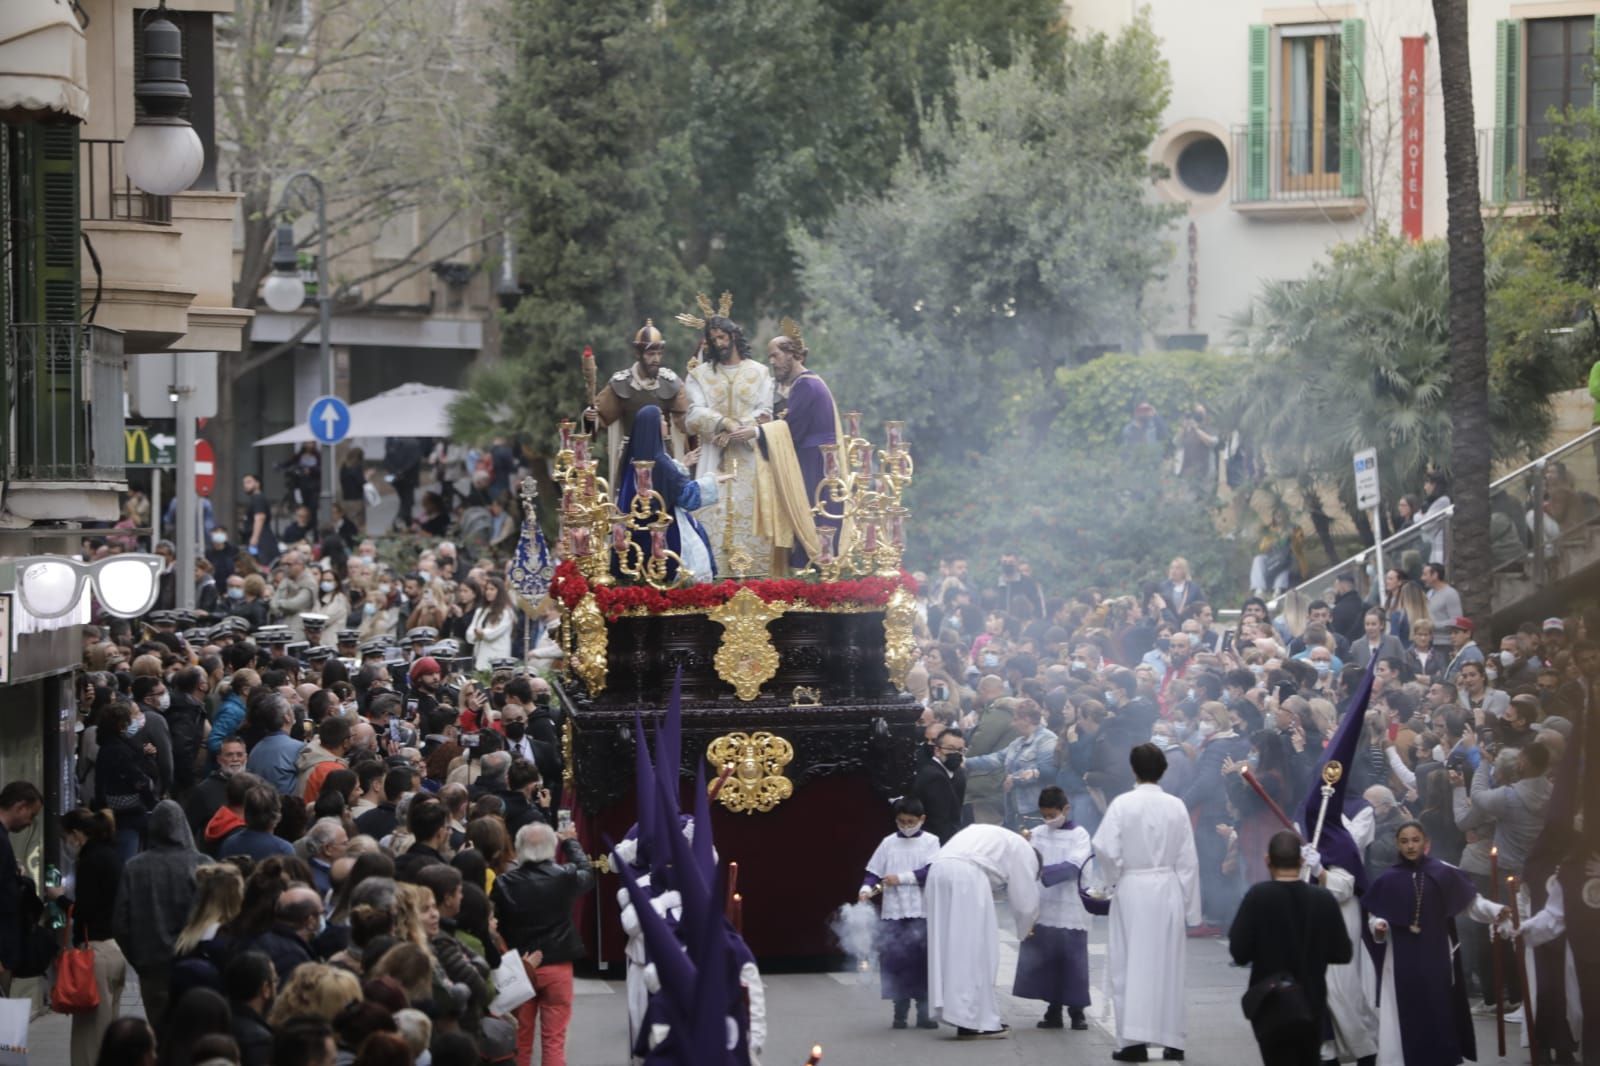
[1471, 560]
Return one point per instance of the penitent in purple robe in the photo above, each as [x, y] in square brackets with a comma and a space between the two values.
[811, 418]
[1430, 993]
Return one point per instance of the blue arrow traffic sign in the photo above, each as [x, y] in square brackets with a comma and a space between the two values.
[329, 419]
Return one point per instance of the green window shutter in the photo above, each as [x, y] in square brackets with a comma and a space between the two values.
[1507, 80]
[49, 214]
[1352, 104]
[49, 422]
[1257, 147]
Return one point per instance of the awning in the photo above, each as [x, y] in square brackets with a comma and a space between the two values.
[44, 62]
[405, 411]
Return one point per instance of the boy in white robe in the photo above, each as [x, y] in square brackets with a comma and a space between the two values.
[902, 937]
[963, 934]
[1144, 849]
[1053, 963]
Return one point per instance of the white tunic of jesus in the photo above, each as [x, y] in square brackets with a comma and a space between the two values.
[963, 932]
[1145, 850]
[740, 394]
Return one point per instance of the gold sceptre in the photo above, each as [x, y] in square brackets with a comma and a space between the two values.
[1330, 777]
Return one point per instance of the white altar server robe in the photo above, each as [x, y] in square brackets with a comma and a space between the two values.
[963, 932]
[1145, 850]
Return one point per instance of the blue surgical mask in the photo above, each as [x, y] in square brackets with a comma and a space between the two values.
[235, 592]
[135, 725]
[369, 609]
[1323, 668]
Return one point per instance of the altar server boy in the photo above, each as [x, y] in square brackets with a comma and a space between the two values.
[1053, 963]
[902, 937]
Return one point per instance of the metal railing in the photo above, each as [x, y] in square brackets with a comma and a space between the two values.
[1280, 162]
[1511, 161]
[1535, 511]
[106, 192]
[65, 390]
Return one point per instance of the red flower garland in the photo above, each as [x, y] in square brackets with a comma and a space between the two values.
[570, 587]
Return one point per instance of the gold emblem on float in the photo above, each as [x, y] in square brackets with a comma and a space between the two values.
[754, 763]
[746, 658]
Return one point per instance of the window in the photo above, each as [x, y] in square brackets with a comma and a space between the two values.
[1540, 65]
[1306, 112]
[1308, 108]
[1560, 75]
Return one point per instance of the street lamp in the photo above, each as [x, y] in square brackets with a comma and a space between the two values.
[284, 291]
[163, 154]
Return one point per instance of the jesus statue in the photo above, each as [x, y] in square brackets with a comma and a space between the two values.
[730, 398]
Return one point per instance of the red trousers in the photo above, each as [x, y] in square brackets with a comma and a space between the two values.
[551, 1010]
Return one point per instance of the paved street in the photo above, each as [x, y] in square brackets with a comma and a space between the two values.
[842, 1012]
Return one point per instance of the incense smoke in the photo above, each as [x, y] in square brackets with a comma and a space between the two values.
[853, 926]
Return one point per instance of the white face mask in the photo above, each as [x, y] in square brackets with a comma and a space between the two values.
[327, 586]
[164, 702]
[1507, 658]
[1207, 728]
[1491, 673]
[1057, 822]
[384, 590]
[903, 831]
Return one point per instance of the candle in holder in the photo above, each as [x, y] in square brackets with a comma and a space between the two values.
[894, 436]
[590, 490]
[643, 476]
[580, 448]
[825, 537]
[852, 424]
[658, 543]
[870, 540]
[566, 436]
[569, 500]
[580, 540]
[830, 460]
[869, 465]
[619, 537]
[897, 531]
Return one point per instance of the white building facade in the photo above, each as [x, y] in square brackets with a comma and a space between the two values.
[1293, 128]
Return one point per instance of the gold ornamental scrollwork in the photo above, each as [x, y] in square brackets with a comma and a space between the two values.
[590, 627]
[899, 639]
[756, 760]
[746, 658]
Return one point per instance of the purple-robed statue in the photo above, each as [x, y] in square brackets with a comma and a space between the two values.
[810, 413]
[1411, 932]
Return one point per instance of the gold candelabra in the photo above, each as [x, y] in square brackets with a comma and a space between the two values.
[593, 528]
[859, 499]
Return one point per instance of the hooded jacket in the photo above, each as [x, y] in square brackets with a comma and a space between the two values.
[312, 756]
[157, 890]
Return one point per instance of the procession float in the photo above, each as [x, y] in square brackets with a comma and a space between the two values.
[791, 676]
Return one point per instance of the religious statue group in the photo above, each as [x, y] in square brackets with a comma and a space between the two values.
[736, 445]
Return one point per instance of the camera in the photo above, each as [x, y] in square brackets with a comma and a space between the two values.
[468, 740]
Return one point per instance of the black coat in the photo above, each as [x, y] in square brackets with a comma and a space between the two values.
[254, 1038]
[1349, 614]
[534, 904]
[414, 860]
[1291, 927]
[284, 947]
[186, 720]
[97, 873]
[203, 801]
[942, 795]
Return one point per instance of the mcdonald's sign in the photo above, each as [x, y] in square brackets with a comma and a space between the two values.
[140, 448]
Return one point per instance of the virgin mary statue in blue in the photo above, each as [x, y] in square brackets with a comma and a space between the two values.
[681, 493]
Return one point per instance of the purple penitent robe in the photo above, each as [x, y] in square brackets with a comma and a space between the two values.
[1430, 992]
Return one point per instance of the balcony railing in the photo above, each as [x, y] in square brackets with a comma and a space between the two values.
[1279, 163]
[107, 193]
[1511, 161]
[65, 389]
[1542, 518]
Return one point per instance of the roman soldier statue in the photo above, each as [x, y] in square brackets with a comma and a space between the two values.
[643, 384]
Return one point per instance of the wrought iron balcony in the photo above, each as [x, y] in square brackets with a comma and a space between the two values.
[64, 385]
